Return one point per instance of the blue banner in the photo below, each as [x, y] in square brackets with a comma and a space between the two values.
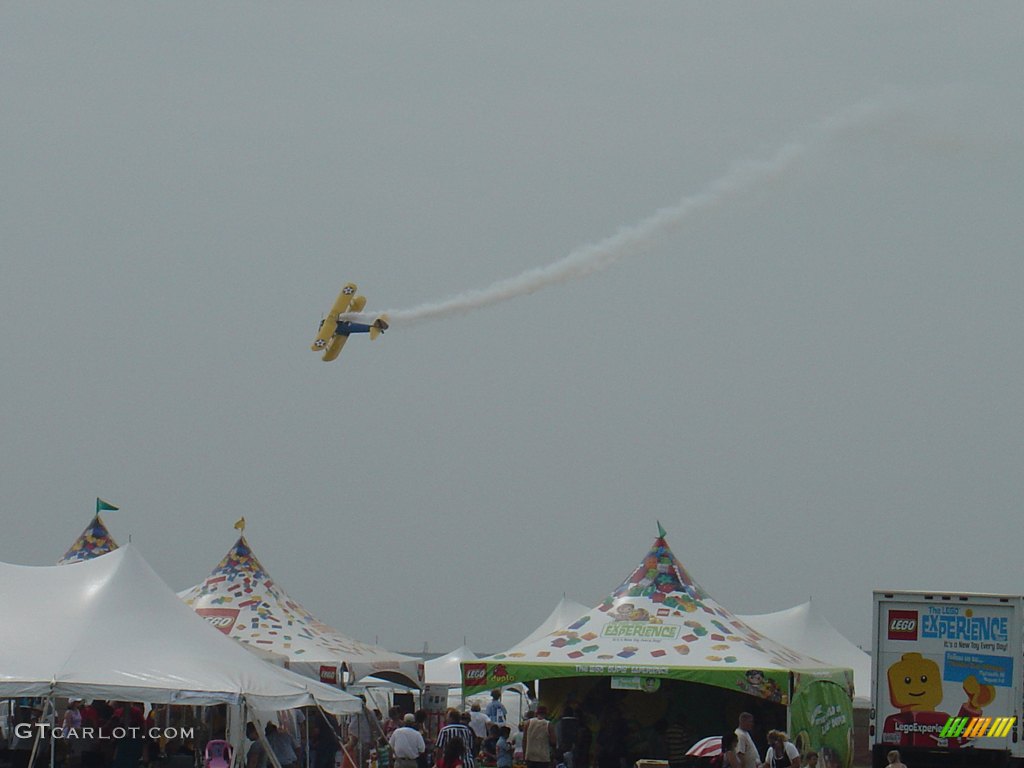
[988, 670]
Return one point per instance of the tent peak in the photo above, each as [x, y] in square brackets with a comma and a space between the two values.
[659, 576]
[94, 541]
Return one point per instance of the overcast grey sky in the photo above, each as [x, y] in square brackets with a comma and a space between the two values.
[815, 384]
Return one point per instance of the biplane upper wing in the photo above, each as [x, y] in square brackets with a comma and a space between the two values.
[327, 326]
[338, 340]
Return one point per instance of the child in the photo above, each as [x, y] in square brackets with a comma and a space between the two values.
[451, 757]
[505, 749]
[894, 759]
[810, 759]
[383, 753]
[489, 748]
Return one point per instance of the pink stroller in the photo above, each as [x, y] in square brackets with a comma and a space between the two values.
[217, 754]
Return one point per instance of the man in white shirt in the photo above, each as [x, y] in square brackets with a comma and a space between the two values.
[478, 724]
[745, 748]
[407, 743]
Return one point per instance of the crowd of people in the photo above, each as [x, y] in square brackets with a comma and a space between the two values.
[93, 734]
[739, 750]
[477, 738]
[401, 740]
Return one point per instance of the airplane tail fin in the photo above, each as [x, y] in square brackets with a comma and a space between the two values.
[379, 326]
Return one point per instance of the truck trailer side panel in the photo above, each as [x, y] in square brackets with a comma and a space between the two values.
[947, 672]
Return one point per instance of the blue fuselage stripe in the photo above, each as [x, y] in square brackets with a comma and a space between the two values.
[345, 328]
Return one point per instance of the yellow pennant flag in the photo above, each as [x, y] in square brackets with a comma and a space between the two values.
[240, 525]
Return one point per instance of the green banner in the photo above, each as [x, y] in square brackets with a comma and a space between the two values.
[768, 684]
[821, 718]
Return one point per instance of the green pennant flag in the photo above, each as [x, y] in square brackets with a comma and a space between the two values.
[661, 531]
[102, 505]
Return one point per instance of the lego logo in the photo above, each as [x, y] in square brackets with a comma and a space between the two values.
[329, 675]
[473, 674]
[903, 625]
[222, 618]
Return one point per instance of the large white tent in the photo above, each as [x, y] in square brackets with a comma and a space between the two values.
[564, 614]
[447, 669]
[109, 627]
[241, 600]
[804, 629]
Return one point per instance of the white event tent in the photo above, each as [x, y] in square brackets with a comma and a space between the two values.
[447, 669]
[803, 629]
[109, 627]
[564, 614]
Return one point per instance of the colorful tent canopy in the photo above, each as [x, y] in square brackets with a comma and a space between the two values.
[804, 629]
[658, 623]
[94, 541]
[110, 628]
[661, 624]
[241, 600]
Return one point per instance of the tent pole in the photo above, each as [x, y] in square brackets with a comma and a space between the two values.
[306, 723]
[53, 742]
[238, 757]
[261, 736]
[329, 721]
[35, 742]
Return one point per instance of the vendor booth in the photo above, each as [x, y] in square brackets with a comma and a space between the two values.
[660, 651]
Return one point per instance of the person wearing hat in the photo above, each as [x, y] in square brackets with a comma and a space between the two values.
[407, 743]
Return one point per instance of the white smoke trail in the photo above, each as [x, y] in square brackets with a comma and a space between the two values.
[632, 239]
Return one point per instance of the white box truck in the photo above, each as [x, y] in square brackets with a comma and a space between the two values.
[948, 679]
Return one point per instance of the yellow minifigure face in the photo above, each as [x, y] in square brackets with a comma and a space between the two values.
[915, 684]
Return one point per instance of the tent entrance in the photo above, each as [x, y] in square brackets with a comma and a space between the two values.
[616, 723]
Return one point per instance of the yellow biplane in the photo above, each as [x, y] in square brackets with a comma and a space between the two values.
[338, 325]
